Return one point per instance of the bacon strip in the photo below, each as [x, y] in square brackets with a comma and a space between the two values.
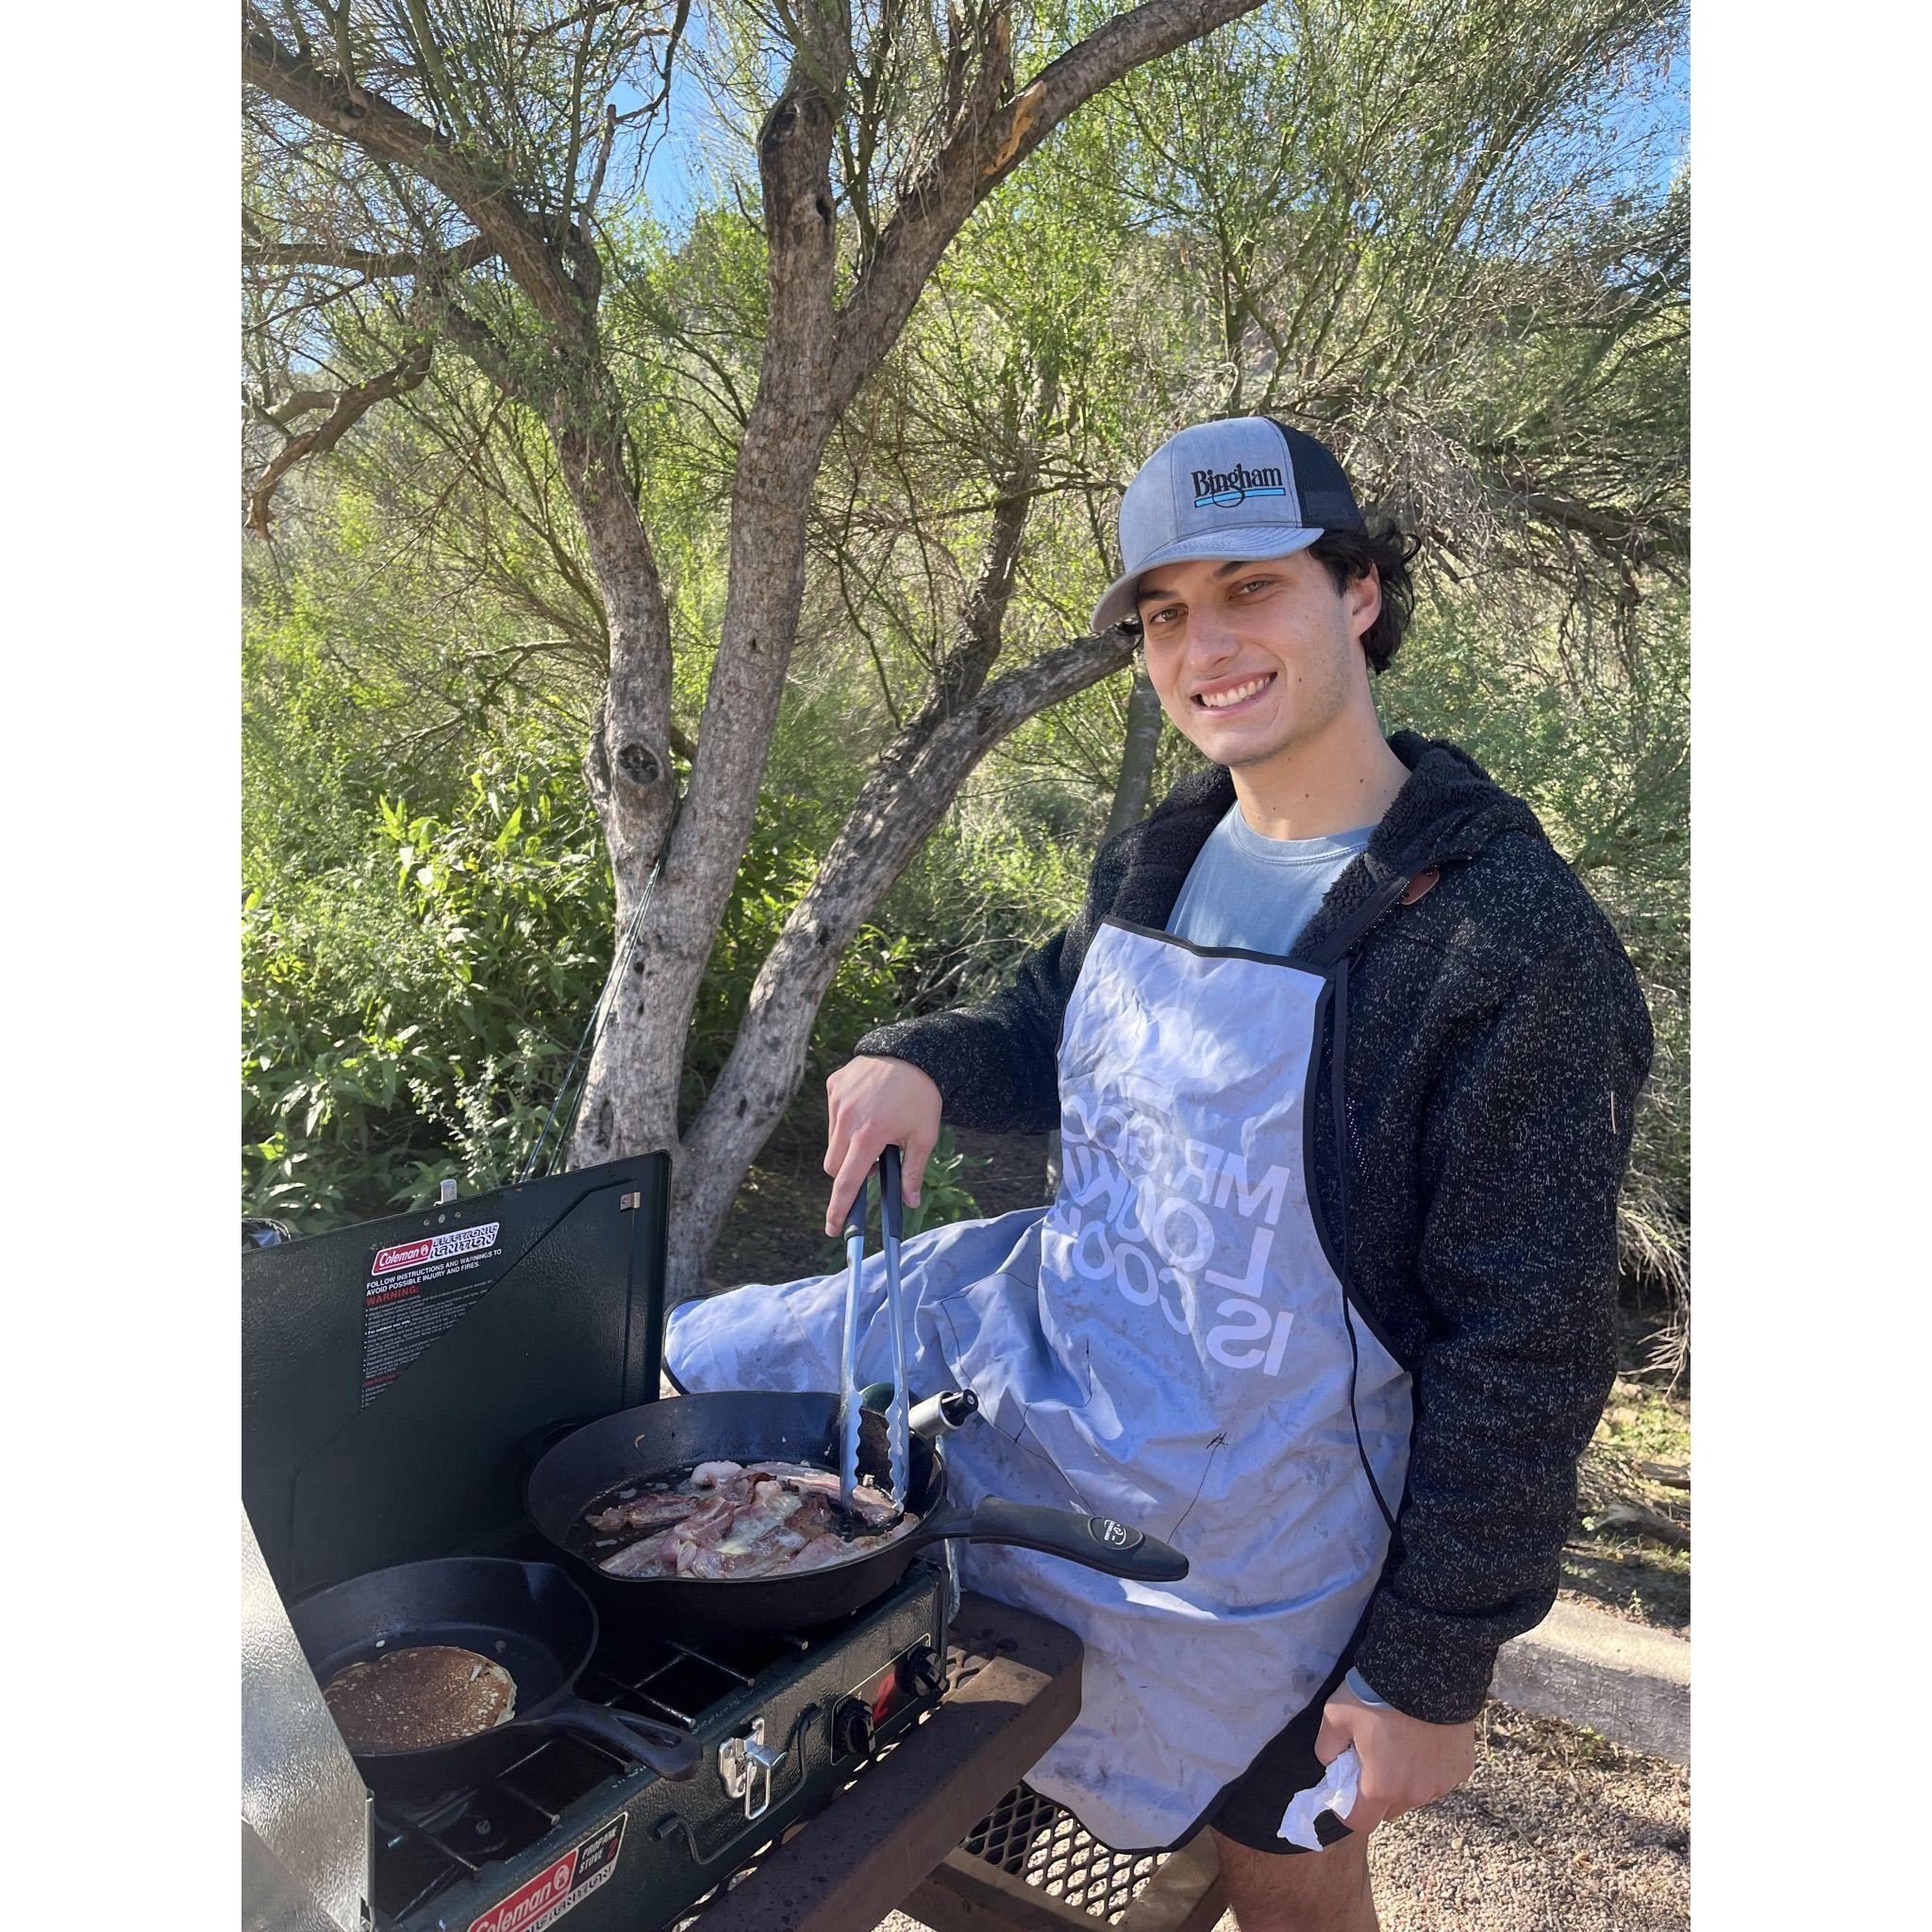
[644, 1558]
[657, 1511]
[734, 1520]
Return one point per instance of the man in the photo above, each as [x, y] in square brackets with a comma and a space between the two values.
[1344, 1060]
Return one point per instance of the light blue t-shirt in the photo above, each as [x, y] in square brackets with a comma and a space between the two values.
[1258, 893]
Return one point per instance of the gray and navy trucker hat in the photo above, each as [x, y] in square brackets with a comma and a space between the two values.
[1245, 487]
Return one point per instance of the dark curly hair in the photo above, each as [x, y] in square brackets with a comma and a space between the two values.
[1348, 555]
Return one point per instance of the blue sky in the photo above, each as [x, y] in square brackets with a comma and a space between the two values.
[1653, 119]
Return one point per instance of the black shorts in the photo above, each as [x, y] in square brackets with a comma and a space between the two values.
[1249, 1811]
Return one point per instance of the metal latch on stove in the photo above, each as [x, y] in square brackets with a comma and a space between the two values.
[741, 1759]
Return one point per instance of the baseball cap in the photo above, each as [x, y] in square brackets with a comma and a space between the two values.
[1243, 487]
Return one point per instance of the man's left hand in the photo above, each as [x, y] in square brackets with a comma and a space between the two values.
[1405, 1761]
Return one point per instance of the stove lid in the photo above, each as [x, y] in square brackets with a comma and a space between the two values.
[392, 1372]
[306, 1846]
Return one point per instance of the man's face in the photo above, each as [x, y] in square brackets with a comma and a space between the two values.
[1251, 658]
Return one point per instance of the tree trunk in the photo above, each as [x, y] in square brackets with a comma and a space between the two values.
[629, 764]
[630, 1100]
[1138, 755]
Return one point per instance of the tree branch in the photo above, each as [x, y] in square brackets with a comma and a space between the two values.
[374, 263]
[981, 632]
[333, 102]
[1617, 536]
[596, 10]
[478, 342]
[987, 143]
[603, 161]
[297, 404]
[350, 406]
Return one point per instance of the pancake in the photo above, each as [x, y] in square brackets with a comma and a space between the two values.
[419, 1697]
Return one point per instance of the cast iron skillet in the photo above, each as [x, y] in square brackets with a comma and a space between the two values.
[749, 1426]
[528, 1617]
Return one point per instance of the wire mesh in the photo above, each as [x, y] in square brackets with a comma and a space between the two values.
[1031, 1838]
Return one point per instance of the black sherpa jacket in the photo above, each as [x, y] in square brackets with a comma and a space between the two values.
[1493, 1041]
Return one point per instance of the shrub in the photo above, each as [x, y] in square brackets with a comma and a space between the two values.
[410, 1012]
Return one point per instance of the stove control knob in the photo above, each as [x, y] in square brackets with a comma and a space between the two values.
[920, 1672]
[852, 1729]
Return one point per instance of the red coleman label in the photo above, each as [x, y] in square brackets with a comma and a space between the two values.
[562, 1884]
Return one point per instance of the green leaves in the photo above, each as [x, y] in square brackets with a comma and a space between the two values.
[1597, 740]
[392, 1036]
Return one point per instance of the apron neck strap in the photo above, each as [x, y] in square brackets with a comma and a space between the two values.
[1341, 939]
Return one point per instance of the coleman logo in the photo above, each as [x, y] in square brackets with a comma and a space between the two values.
[560, 1888]
[515, 1913]
[458, 1240]
[1224, 489]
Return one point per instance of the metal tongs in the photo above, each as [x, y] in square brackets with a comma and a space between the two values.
[899, 1456]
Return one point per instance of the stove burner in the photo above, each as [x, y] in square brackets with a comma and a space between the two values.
[446, 1860]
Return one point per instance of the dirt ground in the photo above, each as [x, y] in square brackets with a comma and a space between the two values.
[1559, 1831]
[1556, 1830]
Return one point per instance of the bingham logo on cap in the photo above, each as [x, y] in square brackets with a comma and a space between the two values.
[1224, 489]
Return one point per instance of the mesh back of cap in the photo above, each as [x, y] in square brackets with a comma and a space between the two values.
[1326, 498]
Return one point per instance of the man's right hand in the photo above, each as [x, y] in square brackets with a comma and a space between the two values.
[875, 1103]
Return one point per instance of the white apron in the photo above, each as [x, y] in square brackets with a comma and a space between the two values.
[1167, 1344]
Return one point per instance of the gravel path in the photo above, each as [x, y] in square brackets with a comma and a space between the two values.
[1557, 1832]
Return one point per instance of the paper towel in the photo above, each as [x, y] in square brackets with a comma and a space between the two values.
[1336, 1792]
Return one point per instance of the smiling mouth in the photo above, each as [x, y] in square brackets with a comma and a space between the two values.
[1234, 696]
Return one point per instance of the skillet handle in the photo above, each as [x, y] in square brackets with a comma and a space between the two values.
[1097, 1543]
[938, 1415]
[669, 1753]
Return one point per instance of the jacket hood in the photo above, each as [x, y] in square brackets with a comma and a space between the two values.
[1449, 808]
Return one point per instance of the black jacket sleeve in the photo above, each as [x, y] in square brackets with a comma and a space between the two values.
[996, 1063]
[1524, 1144]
